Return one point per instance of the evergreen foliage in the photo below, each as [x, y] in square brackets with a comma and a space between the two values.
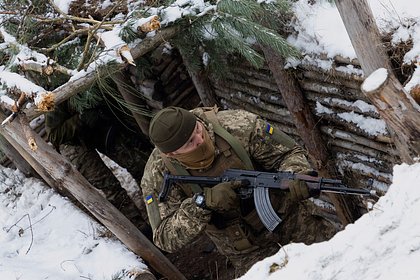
[229, 27]
[236, 27]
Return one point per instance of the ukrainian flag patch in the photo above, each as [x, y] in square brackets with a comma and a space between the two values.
[149, 199]
[269, 129]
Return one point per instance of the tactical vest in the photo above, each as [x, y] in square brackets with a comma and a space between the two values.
[230, 154]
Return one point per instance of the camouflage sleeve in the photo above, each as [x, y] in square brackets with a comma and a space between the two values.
[175, 222]
[275, 150]
[61, 127]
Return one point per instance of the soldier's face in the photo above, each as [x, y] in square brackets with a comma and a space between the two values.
[195, 140]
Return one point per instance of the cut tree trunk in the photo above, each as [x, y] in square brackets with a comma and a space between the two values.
[304, 121]
[395, 106]
[59, 173]
[389, 97]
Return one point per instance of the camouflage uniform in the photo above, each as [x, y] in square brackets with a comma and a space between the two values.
[78, 141]
[241, 237]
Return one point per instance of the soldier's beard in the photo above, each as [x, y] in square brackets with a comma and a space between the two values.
[200, 158]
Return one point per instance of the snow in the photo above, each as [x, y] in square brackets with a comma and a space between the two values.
[44, 236]
[383, 244]
[63, 5]
[375, 80]
[59, 241]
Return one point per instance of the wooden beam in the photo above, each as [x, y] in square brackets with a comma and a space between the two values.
[398, 109]
[74, 86]
[305, 123]
[364, 34]
[60, 173]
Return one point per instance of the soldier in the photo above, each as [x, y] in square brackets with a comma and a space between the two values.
[205, 142]
[79, 136]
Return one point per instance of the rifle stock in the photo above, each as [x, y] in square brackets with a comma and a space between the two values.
[260, 183]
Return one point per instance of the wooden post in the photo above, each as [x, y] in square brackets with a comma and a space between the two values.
[395, 107]
[305, 123]
[201, 83]
[60, 173]
[364, 35]
[126, 88]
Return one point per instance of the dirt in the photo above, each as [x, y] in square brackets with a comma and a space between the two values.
[200, 260]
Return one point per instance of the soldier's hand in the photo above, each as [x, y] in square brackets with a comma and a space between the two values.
[222, 197]
[299, 190]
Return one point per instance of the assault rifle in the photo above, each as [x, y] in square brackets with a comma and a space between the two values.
[259, 185]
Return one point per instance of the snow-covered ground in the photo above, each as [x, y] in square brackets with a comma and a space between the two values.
[44, 236]
[383, 244]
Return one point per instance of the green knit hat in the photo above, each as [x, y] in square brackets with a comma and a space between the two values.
[171, 128]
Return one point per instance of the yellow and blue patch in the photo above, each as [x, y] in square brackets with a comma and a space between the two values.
[269, 129]
[149, 199]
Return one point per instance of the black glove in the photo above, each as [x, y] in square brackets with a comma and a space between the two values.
[222, 197]
[298, 190]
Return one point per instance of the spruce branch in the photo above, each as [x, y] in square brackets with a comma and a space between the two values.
[92, 33]
[86, 20]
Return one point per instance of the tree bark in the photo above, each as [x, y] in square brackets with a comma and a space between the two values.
[395, 106]
[126, 88]
[304, 121]
[60, 173]
[364, 34]
[389, 97]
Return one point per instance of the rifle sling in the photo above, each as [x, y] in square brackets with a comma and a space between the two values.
[176, 168]
[233, 142]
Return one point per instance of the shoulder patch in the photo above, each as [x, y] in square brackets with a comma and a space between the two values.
[149, 199]
[269, 129]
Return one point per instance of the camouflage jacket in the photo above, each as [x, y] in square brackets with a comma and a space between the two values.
[180, 221]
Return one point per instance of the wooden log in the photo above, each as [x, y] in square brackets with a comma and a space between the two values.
[60, 173]
[307, 128]
[170, 69]
[347, 61]
[352, 127]
[356, 148]
[334, 133]
[128, 92]
[262, 74]
[364, 34]
[183, 95]
[379, 163]
[74, 86]
[267, 83]
[333, 73]
[364, 170]
[333, 77]
[266, 110]
[343, 105]
[232, 87]
[395, 106]
[329, 89]
[18, 161]
[398, 109]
